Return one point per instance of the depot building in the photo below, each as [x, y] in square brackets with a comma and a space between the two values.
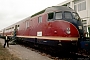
[82, 7]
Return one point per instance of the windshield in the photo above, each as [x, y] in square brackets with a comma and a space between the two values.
[67, 15]
[58, 15]
[75, 15]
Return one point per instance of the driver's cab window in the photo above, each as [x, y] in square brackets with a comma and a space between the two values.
[67, 15]
[58, 15]
[50, 16]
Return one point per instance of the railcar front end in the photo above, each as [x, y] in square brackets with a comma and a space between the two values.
[64, 29]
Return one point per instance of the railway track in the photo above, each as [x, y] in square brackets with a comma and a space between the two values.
[56, 55]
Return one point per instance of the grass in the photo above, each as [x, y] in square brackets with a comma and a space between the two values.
[5, 54]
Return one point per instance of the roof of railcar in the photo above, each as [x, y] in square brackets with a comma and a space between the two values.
[59, 8]
[54, 8]
[47, 10]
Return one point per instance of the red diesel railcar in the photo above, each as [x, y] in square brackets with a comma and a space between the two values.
[54, 26]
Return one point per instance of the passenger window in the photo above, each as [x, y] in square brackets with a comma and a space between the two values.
[39, 19]
[58, 15]
[27, 24]
[18, 27]
[50, 16]
[68, 15]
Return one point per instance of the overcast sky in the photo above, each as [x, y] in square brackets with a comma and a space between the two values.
[12, 11]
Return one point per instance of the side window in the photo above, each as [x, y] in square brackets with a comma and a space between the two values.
[12, 28]
[76, 16]
[39, 19]
[67, 15]
[58, 15]
[50, 16]
[27, 24]
[18, 27]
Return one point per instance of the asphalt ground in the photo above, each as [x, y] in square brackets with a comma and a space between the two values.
[24, 53]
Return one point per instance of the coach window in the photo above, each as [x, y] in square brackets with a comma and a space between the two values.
[18, 27]
[50, 16]
[39, 19]
[27, 24]
[58, 15]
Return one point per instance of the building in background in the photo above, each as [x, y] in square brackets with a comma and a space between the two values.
[82, 7]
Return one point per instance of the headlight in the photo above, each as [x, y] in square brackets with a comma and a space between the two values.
[68, 31]
[80, 27]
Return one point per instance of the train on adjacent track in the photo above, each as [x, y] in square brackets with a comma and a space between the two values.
[57, 26]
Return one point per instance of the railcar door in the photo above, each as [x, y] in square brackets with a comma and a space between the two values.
[13, 38]
[15, 30]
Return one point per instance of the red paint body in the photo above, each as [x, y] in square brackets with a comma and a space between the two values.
[48, 28]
